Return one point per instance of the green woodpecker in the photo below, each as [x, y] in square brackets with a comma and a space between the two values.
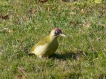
[48, 45]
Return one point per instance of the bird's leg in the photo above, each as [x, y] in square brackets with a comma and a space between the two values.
[40, 56]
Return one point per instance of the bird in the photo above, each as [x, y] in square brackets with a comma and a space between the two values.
[47, 45]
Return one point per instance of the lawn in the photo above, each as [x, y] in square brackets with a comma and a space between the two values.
[81, 55]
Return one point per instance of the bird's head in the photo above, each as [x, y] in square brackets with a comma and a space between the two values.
[57, 32]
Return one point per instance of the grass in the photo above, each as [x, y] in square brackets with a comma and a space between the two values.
[82, 55]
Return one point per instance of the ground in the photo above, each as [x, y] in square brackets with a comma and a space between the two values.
[81, 55]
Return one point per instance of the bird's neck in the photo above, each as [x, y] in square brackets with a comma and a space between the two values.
[52, 38]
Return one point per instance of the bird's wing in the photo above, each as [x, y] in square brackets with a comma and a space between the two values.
[42, 42]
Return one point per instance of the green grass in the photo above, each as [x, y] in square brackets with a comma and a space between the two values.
[81, 55]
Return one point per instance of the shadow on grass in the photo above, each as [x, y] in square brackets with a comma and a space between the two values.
[75, 55]
[102, 76]
[64, 56]
[67, 55]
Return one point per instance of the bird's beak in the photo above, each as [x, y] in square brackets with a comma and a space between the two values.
[62, 35]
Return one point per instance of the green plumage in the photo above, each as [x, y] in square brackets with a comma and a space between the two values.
[51, 47]
[48, 45]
